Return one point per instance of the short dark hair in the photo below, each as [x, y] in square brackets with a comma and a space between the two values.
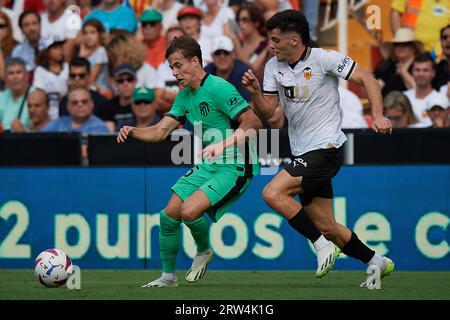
[425, 57]
[26, 13]
[80, 62]
[290, 21]
[188, 47]
[11, 61]
[443, 29]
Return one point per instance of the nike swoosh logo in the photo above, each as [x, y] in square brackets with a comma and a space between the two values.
[209, 186]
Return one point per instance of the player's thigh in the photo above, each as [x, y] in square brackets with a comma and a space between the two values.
[173, 208]
[222, 190]
[195, 206]
[283, 183]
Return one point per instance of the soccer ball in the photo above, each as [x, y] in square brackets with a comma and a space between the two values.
[52, 267]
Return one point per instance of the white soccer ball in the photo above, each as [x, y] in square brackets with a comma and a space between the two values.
[52, 267]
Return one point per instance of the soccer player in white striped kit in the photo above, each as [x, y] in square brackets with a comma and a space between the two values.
[305, 81]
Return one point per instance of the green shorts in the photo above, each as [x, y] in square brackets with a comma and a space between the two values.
[222, 184]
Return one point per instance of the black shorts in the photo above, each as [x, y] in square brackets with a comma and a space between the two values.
[316, 168]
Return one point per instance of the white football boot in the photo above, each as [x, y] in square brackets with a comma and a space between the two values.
[326, 257]
[199, 265]
[161, 282]
[387, 269]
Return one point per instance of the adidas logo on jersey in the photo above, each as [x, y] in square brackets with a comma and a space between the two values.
[300, 161]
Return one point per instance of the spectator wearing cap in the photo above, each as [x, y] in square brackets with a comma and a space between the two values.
[442, 79]
[80, 118]
[395, 72]
[153, 38]
[79, 75]
[169, 10]
[190, 19]
[13, 101]
[58, 23]
[144, 108]
[114, 16]
[120, 106]
[38, 111]
[51, 74]
[423, 71]
[438, 109]
[30, 24]
[226, 66]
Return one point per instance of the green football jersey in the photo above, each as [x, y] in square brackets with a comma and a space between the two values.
[213, 106]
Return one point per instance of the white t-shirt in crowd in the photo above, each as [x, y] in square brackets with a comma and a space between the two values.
[351, 110]
[65, 27]
[170, 16]
[148, 77]
[17, 33]
[54, 84]
[419, 106]
[444, 90]
[215, 28]
[166, 75]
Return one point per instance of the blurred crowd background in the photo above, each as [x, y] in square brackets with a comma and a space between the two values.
[95, 65]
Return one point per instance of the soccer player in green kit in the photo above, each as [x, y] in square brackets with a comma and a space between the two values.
[223, 175]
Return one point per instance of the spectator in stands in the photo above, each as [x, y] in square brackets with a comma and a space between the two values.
[395, 72]
[253, 49]
[424, 70]
[7, 43]
[398, 109]
[215, 19]
[226, 66]
[144, 108]
[79, 75]
[126, 49]
[13, 101]
[169, 10]
[425, 17]
[190, 19]
[153, 37]
[30, 23]
[38, 111]
[81, 117]
[120, 105]
[92, 49]
[442, 79]
[51, 74]
[351, 110]
[171, 86]
[438, 109]
[113, 15]
[57, 23]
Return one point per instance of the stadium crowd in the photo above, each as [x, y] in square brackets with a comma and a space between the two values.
[96, 65]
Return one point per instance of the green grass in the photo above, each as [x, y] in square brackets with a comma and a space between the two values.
[232, 285]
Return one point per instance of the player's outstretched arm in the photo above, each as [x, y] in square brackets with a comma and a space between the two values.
[156, 133]
[249, 124]
[364, 78]
[265, 105]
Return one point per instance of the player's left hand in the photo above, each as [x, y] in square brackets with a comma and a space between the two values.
[382, 125]
[212, 151]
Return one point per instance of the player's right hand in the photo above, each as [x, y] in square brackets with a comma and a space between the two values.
[124, 132]
[250, 82]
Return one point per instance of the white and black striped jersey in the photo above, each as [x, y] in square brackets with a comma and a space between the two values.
[310, 98]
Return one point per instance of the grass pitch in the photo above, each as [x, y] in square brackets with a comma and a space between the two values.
[232, 285]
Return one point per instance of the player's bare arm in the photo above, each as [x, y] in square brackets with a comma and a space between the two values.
[156, 133]
[249, 124]
[265, 105]
[364, 78]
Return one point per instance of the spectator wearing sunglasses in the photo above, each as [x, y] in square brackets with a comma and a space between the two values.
[119, 107]
[151, 24]
[226, 66]
[144, 108]
[398, 109]
[79, 77]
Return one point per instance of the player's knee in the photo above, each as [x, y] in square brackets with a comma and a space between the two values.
[270, 195]
[188, 213]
